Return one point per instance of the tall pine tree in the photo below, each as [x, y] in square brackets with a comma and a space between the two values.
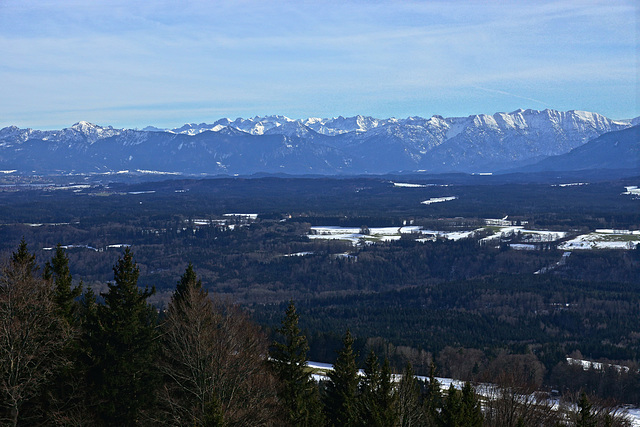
[376, 400]
[471, 407]
[585, 417]
[299, 392]
[64, 294]
[189, 280]
[123, 348]
[433, 397]
[65, 394]
[342, 390]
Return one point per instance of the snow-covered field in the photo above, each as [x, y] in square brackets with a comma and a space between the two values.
[588, 364]
[526, 239]
[632, 190]
[382, 234]
[73, 247]
[91, 248]
[299, 254]
[450, 235]
[604, 239]
[439, 200]
[571, 184]
[408, 185]
[530, 236]
[242, 215]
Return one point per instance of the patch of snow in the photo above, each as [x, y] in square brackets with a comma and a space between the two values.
[522, 247]
[242, 215]
[73, 247]
[587, 364]
[602, 240]
[632, 190]
[438, 200]
[408, 185]
[299, 254]
[150, 172]
[571, 184]
[408, 229]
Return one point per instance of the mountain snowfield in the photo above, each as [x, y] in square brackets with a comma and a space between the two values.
[340, 145]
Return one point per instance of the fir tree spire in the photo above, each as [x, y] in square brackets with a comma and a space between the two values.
[22, 257]
[299, 392]
[343, 386]
[64, 295]
[123, 347]
[188, 279]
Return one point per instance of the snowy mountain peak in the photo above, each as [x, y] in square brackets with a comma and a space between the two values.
[89, 128]
[357, 144]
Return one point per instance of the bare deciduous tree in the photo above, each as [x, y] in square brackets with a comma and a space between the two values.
[513, 400]
[214, 360]
[31, 337]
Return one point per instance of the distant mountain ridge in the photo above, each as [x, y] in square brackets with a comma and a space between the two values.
[341, 145]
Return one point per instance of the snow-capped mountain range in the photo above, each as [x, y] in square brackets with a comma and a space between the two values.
[342, 145]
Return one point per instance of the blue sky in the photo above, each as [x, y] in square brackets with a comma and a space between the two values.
[164, 63]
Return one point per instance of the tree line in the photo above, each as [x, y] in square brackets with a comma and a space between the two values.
[69, 356]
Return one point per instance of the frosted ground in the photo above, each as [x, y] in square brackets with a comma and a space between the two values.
[385, 234]
[382, 234]
[600, 239]
[531, 236]
[603, 239]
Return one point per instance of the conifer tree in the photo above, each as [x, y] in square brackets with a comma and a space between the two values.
[65, 394]
[368, 405]
[387, 395]
[586, 417]
[64, 294]
[433, 397]
[471, 408]
[23, 259]
[408, 406]
[376, 407]
[341, 395]
[188, 280]
[460, 408]
[299, 392]
[452, 414]
[123, 348]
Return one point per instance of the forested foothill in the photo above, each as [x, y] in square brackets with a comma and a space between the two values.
[475, 312]
[71, 357]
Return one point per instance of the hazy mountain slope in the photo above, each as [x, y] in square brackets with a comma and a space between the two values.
[613, 150]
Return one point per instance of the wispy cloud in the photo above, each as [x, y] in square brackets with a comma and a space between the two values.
[502, 92]
[379, 58]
